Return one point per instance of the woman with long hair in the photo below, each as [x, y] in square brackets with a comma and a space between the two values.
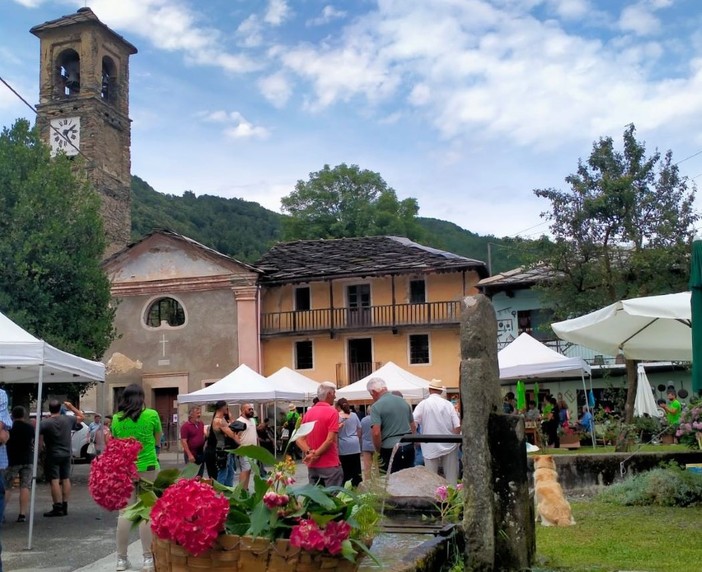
[134, 419]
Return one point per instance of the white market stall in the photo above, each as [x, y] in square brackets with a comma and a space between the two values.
[412, 387]
[26, 359]
[286, 379]
[527, 358]
[244, 385]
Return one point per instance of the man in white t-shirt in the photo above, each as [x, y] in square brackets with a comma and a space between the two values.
[247, 437]
[438, 416]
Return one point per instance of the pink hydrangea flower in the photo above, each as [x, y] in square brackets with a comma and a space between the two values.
[191, 513]
[334, 535]
[112, 474]
[307, 536]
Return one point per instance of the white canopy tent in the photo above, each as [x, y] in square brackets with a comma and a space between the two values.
[286, 379]
[26, 359]
[648, 328]
[412, 387]
[527, 358]
[645, 402]
[243, 385]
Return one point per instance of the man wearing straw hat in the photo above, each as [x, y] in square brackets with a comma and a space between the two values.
[438, 416]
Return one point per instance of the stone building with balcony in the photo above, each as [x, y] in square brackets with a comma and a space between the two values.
[339, 309]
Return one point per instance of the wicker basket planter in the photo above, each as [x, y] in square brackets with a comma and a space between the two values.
[244, 553]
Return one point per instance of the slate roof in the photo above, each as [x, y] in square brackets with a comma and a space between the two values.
[517, 278]
[82, 16]
[310, 260]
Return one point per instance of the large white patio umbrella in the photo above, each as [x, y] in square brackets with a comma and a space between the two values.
[645, 402]
[648, 328]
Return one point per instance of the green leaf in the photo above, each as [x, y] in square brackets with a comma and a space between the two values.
[316, 494]
[189, 471]
[166, 478]
[260, 518]
[255, 452]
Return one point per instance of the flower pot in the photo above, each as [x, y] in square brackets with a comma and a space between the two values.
[570, 441]
[667, 439]
[233, 553]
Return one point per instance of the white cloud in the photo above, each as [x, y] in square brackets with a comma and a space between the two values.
[249, 32]
[639, 19]
[29, 3]
[329, 14]
[236, 125]
[571, 9]
[171, 25]
[276, 89]
[278, 11]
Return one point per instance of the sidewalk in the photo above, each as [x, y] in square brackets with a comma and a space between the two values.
[134, 553]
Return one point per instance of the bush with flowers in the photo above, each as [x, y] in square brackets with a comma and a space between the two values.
[193, 512]
[449, 503]
[689, 431]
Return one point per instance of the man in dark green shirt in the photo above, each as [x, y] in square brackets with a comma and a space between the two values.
[391, 419]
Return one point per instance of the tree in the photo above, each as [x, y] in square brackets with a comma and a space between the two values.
[345, 202]
[622, 230]
[51, 245]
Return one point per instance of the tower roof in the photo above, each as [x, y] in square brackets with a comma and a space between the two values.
[83, 16]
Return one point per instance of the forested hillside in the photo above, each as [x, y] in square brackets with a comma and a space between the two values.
[245, 230]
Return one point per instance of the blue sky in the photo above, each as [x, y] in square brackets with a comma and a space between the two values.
[466, 105]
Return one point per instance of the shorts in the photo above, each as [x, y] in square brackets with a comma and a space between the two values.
[244, 463]
[25, 476]
[57, 468]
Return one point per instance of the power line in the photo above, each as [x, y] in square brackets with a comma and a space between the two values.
[690, 157]
[23, 100]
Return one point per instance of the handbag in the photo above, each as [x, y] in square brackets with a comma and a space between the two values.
[91, 450]
[285, 434]
[221, 458]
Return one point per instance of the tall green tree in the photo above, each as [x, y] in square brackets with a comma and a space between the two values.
[345, 202]
[51, 246]
[623, 229]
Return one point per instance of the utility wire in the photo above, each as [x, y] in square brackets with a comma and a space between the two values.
[23, 100]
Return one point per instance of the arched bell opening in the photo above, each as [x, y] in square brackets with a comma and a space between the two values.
[109, 80]
[67, 73]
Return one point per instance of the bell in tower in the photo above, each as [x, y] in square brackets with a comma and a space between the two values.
[84, 109]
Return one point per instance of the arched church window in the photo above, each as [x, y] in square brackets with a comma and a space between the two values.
[109, 77]
[68, 73]
[165, 311]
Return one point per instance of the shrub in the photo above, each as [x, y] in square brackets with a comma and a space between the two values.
[665, 486]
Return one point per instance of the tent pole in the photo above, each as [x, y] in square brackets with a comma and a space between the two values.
[587, 400]
[36, 459]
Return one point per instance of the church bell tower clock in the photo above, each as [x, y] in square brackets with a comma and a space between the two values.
[84, 109]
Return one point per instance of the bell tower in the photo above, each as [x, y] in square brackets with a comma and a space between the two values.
[84, 109]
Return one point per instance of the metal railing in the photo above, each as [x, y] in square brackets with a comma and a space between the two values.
[339, 319]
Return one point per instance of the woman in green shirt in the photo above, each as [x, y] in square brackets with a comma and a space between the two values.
[133, 419]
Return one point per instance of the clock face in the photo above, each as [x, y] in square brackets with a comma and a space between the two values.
[65, 135]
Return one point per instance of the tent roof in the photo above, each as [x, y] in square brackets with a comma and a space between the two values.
[526, 357]
[412, 386]
[22, 355]
[286, 379]
[241, 385]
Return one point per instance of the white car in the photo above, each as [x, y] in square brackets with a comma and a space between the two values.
[79, 437]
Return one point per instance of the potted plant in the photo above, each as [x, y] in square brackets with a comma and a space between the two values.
[197, 523]
[569, 436]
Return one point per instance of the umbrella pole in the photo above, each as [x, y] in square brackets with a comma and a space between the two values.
[36, 460]
[587, 403]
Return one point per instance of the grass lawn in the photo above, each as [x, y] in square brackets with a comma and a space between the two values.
[610, 538]
[610, 449]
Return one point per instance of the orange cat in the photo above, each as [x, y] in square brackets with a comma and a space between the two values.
[551, 504]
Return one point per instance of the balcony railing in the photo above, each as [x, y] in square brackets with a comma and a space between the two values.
[338, 319]
[348, 373]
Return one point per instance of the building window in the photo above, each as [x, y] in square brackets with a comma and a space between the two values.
[536, 323]
[303, 355]
[165, 310]
[418, 292]
[302, 299]
[419, 349]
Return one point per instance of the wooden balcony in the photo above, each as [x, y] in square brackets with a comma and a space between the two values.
[370, 318]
